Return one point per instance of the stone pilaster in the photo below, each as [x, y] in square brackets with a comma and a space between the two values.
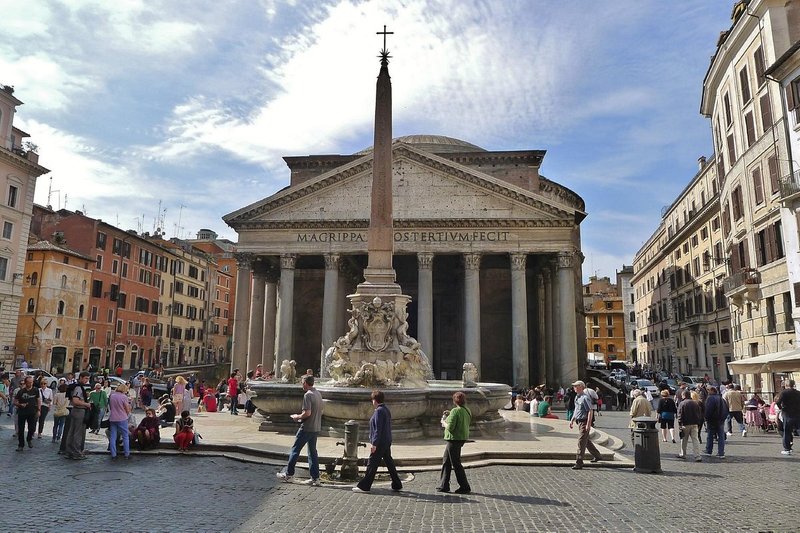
[541, 367]
[425, 303]
[519, 320]
[241, 313]
[472, 310]
[286, 308]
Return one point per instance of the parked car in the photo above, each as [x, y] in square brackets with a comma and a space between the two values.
[51, 380]
[116, 382]
[641, 383]
[692, 381]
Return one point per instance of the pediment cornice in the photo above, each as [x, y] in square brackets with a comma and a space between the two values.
[400, 224]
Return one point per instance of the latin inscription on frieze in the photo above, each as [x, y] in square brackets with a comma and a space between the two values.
[408, 236]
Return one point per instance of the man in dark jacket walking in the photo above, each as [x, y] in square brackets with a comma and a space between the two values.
[690, 417]
[789, 402]
[716, 412]
[380, 436]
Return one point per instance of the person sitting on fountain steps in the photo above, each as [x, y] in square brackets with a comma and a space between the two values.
[380, 435]
[310, 420]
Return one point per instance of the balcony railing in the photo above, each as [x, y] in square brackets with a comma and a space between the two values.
[745, 278]
[790, 184]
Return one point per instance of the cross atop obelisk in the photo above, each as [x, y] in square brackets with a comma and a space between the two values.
[380, 244]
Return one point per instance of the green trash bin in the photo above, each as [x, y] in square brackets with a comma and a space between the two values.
[647, 457]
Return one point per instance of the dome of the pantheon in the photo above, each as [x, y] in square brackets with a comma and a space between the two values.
[436, 144]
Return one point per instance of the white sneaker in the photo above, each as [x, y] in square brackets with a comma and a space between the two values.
[356, 489]
[786, 452]
[283, 476]
[729, 434]
[744, 433]
[312, 482]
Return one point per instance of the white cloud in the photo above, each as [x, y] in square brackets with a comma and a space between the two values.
[42, 83]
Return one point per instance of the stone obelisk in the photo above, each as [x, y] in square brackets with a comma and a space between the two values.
[377, 350]
[379, 276]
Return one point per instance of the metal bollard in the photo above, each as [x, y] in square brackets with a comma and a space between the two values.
[647, 457]
[350, 456]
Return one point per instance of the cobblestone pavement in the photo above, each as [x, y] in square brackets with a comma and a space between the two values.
[754, 489]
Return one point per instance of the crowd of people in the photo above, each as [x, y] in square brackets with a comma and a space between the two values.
[131, 413]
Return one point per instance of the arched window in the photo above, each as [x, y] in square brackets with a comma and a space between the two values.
[61, 307]
[80, 311]
[31, 305]
[34, 279]
[64, 281]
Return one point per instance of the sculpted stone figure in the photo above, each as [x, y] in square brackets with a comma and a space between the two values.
[288, 372]
[470, 376]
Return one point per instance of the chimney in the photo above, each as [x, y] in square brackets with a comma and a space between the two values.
[701, 162]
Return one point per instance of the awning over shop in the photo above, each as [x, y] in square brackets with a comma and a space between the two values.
[786, 361]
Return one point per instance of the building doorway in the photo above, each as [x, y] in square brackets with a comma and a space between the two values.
[58, 360]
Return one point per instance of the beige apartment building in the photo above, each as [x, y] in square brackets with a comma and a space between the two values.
[19, 167]
[749, 135]
[682, 318]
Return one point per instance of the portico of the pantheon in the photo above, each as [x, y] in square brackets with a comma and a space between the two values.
[488, 250]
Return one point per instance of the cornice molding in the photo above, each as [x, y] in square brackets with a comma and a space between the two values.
[31, 169]
[401, 224]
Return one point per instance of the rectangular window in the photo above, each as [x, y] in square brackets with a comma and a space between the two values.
[58, 333]
[94, 313]
[788, 323]
[772, 164]
[101, 240]
[731, 150]
[771, 314]
[762, 248]
[99, 262]
[725, 336]
[609, 320]
[744, 82]
[728, 117]
[79, 334]
[704, 233]
[92, 335]
[750, 129]
[712, 338]
[758, 58]
[777, 240]
[110, 316]
[766, 112]
[114, 266]
[119, 327]
[758, 186]
[8, 229]
[3, 267]
[125, 270]
[13, 192]
[736, 201]
[97, 288]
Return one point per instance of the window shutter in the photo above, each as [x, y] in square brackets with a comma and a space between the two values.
[772, 163]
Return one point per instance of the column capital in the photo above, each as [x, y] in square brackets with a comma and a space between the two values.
[288, 261]
[332, 261]
[244, 260]
[518, 260]
[472, 261]
[425, 260]
[566, 259]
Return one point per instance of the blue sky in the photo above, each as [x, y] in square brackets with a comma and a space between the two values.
[193, 103]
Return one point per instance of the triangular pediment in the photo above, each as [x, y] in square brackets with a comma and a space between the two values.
[425, 187]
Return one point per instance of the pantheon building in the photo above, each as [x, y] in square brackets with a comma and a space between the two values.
[488, 250]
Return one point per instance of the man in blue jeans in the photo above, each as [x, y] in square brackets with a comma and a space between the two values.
[716, 412]
[789, 402]
[310, 420]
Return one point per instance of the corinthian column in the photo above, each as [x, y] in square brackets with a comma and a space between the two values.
[541, 370]
[519, 321]
[425, 303]
[548, 325]
[472, 310]
[256, 344]
[329, 305]
[241, 315]
[567, 341]
[270, 315]
[286, 307]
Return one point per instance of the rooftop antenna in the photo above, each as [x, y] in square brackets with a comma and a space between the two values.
[178, 226]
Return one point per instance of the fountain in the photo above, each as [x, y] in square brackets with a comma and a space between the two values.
[377, 352]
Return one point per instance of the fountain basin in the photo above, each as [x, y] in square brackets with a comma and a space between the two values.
[416, 412]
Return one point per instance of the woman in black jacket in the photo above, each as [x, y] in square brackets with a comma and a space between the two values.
[666, 415]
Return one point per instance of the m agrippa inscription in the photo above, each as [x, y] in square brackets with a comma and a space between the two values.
[408, 236]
